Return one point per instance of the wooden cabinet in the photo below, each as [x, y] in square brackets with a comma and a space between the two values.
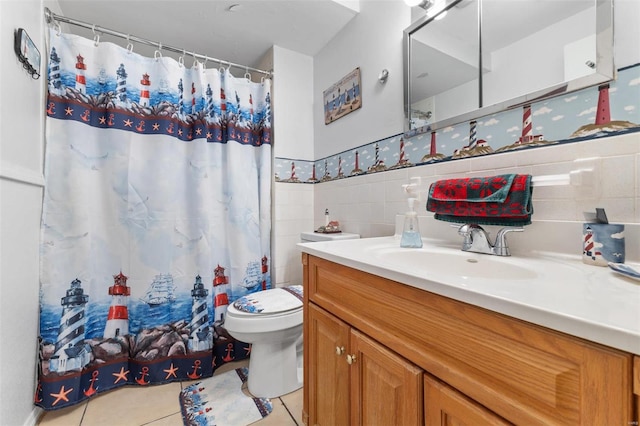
[444, 406]
[354, 380]
[326, 369]
[476, 362]
[636, 389]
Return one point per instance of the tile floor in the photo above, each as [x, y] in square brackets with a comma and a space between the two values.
[159, 406]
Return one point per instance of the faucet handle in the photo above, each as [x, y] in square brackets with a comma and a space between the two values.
[500, 247]
[466, 231]
[465, 228]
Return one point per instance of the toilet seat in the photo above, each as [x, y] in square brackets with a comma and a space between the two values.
[269, 302]
[265, 311]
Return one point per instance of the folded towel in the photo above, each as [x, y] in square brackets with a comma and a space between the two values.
[503, 200]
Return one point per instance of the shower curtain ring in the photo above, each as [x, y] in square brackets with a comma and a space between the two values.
[195, 60]
[247, 75]
[129, 44]
[204, 64]
[58, 28]
[158, 53]
[96, 37]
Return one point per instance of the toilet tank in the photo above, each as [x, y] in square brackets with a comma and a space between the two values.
[311, 236]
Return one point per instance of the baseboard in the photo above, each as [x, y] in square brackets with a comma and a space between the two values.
[34, 416]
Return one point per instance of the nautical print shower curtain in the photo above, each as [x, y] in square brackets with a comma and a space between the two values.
[156, 215]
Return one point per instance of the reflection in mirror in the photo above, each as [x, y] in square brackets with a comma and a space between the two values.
[529, 50]
[444, 68]
[531, 45]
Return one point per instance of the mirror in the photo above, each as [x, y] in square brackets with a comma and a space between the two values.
[486, 56]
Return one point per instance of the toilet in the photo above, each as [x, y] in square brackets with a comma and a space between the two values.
[271, 320]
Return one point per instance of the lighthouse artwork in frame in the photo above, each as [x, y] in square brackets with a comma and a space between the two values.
[343, 97]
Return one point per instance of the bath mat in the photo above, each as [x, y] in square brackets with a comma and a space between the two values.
[220, 401]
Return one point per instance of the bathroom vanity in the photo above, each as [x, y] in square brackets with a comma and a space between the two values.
[384, 346]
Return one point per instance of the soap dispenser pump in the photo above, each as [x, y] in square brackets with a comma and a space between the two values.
[410, 233]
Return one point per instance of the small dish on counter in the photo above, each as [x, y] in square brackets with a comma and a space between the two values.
[625, 270]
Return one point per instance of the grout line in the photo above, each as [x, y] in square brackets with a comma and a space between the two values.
[163, 417]
[290, 415]
[86, 405]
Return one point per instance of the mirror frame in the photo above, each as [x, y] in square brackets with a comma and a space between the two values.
[604, 71]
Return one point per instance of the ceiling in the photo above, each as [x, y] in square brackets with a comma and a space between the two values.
[238, 31]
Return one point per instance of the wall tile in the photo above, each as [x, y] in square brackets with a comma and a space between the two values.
[617, 175]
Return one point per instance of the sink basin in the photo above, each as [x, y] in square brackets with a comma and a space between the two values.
[462, 264]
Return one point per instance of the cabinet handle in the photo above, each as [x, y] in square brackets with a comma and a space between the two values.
[339, 350]
[351, 359]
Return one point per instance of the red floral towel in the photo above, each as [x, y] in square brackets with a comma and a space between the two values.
[494, 200]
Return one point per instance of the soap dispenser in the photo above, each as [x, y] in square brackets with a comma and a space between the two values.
[410, 233]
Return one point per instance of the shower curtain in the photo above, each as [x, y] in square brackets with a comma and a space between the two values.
[156, 216]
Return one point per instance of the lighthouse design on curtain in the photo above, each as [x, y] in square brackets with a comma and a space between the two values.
[156, 216]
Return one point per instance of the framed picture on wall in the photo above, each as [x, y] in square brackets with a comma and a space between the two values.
[343, 97]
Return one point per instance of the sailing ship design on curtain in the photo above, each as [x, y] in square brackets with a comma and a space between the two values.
[138, 296]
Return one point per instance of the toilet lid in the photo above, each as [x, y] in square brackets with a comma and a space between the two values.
[271, 301]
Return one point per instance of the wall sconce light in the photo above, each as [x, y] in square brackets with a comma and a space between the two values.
[382, 77]
[434, 8]
[425, 4]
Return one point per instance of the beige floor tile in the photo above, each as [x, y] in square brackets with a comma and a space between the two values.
[293, 401]
[133, 405]
[70, 416]
[278, 417]
[173, 420]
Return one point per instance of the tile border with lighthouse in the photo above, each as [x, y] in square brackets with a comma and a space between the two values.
[597, 112]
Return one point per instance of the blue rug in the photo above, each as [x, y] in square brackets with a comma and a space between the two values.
[220, 401]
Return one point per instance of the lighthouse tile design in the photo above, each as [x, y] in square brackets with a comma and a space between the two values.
[568, 118]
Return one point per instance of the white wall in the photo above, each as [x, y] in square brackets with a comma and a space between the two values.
[292, 104]
[293, 138]
[21, 183]
[372, 41]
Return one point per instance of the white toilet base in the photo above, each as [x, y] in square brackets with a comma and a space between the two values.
[272, 376]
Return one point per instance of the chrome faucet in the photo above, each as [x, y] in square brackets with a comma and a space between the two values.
[476, 239]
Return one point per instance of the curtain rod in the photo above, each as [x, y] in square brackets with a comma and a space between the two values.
[50, 17]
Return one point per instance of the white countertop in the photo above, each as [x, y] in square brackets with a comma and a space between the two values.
[562, 294]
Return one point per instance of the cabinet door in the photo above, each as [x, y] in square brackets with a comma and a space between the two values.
[328, 386]
[635, 420]
[444, 406]
[386, 389]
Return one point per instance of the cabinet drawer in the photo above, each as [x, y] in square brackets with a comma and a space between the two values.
[523, 372]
